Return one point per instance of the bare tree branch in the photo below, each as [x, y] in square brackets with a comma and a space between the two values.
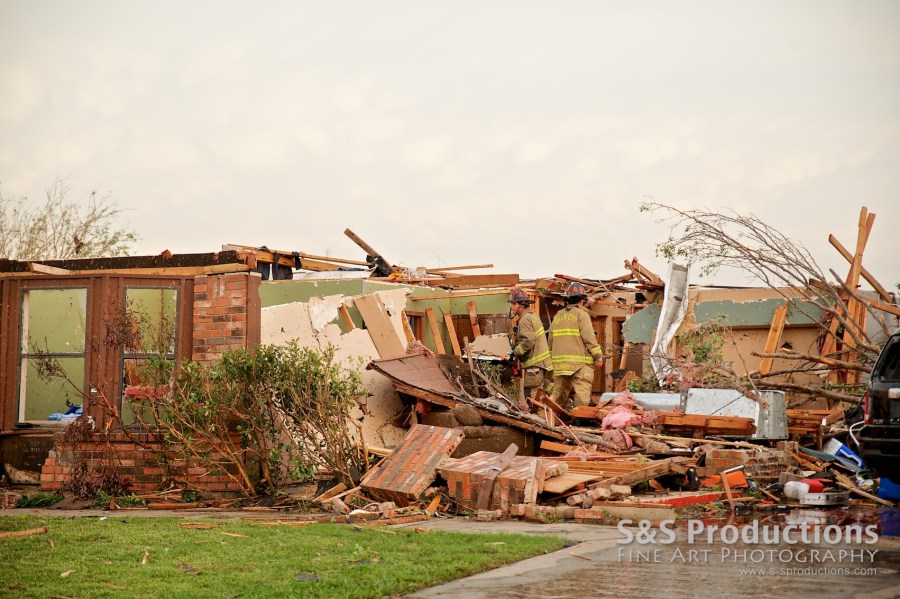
[61, 227]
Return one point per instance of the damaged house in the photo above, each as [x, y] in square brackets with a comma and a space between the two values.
[422, 341]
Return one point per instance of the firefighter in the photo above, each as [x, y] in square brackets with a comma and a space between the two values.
[529, 343]
[574, 349]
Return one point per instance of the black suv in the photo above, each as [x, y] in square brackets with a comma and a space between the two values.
[880, 435]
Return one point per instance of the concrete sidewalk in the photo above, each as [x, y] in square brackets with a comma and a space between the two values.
[598, 565]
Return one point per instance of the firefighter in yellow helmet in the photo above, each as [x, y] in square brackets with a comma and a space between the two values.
[574, 349]
[529, 343]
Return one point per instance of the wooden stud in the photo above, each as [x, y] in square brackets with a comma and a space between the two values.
[345, 316]
[473, 318]
[435, 332]
[407, 329]
[454, 342]
[765, 364]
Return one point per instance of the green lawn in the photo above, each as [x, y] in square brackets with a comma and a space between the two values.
[155, 557]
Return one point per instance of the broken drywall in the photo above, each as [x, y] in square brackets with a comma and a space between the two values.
[491, 346]
[312, 324]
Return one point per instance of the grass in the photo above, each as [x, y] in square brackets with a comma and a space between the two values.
[159, 557]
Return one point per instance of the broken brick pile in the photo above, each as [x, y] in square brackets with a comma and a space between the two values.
[412, 466]
[519, 483]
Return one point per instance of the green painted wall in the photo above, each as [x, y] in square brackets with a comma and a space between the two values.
[756, 313]
[639, 328]
[751, 314]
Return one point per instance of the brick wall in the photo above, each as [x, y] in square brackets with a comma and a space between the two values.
[226, 314]
[137, 462]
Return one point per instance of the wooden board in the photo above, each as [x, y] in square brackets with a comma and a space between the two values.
[345, 316]
[407, 330]
[454, 342]
[775, 330]
[435, 332]
[379, 325]
[473, 318]
[569, 480]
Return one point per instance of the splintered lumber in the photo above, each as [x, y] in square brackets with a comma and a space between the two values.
[172, 506]
[476, 281]
[47, 270]
[382, 266]
[433, 506]
[712, 425]
[765, 364]
[435, 331]
[653, 470]
[862, 270]
[884, 307]
[844, 481]
[330, 493]
[23, 533]
[473, 318]
[452, 268]
[557, 447]
[806, 422]
[544, 400]
[454, 342]
[643, 275]
[588, 412]
[569, 480]
[458, 294]
[407, 329]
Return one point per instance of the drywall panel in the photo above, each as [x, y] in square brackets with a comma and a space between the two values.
[279, 325]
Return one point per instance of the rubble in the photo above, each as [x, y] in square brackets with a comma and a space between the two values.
[431, 346]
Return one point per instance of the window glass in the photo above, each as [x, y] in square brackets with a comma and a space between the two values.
[148, 357]
[889, 364]
[52, 354]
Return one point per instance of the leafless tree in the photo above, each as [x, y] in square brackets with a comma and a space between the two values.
[712, 240]
[61, 227]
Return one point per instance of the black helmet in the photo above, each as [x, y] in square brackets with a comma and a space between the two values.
[518, 296]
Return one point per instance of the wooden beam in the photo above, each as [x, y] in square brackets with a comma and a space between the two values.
[268, 256]
[486, 414]
[775, 330]
[468, 267]
[862, 270]
[477, 281]
[884, 307]
[435, 332]
[473, 318]
[454, 342]
[317, 265]
[454, 295]
[47, 270]
[338, 260]
[156, 272]
[407, 329]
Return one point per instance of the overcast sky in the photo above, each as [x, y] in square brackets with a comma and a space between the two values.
[520, 133]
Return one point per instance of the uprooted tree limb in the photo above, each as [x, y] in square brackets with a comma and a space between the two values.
[714, 240]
